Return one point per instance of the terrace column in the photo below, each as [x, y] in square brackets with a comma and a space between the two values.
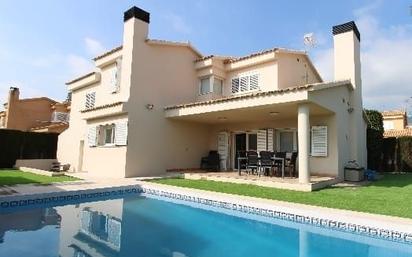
[303, 143]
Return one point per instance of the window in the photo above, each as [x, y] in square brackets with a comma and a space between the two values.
[60, 117]
[108, 134]
[114, 84]
[217, 86]
[205, 86]
[319, 141]
[90, 100]
[388, 125]
[245, 83]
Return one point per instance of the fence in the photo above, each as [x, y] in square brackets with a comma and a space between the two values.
[16, 144]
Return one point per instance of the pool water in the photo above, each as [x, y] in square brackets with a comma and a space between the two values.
[142, 226]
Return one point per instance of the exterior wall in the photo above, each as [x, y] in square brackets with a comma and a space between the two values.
[114, 156]
[25, 114]
[161, 75]
[294, 70]
[348, 66]
[336, 100]
[397, 121]
[268, 76]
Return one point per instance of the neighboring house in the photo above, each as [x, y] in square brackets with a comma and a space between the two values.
[39, 114]
[155, 105]
[395, 124]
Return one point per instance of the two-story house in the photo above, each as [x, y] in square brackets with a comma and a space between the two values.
[39, 114]
[155, 105]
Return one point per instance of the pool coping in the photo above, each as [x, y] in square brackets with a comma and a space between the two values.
[373, 225]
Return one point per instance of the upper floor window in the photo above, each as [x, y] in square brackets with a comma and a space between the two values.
[245, 83]
[60, 117]
[90, 100]
[217, 86]
[114, 84]
[205, 86]
[108, 133]
[388, 125]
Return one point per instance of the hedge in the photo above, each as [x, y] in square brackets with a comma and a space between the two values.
[17, 144]
[404, 154]
[374, 139]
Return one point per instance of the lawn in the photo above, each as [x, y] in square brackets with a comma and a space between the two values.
[13, 177]
[392, 195]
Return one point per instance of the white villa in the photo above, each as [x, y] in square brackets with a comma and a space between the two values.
[153, 106]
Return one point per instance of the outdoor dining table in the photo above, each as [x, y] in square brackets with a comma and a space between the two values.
[273, 158]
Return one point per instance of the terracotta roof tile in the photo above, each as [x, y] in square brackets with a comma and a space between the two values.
[393, 113]
[237, 97]
[398, 133]
[101, 107]
[232, 60]
[108, 53]
[80, 78]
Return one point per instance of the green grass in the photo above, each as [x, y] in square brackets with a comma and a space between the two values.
[391, 195]
[14, 177]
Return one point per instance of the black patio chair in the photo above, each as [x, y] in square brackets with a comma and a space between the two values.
[278, 163]
[252, 161]
[211, 162]
[266, 162]
[291, 164]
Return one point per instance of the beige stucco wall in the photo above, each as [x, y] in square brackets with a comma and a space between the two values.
[161, 75]
[25, 114]
[397, 121]
[294, 70]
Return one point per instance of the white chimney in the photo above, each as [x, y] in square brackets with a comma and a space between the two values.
[346, 40]
[135, 33]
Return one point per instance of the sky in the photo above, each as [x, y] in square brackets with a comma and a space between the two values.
[45, 43]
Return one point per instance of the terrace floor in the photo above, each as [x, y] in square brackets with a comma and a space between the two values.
[292, 183]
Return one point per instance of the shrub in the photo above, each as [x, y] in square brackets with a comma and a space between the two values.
[374, 138]
[404, 154]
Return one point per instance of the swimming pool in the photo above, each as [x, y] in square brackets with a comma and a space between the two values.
[157, 226]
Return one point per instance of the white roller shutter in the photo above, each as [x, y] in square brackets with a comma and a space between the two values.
[319, 141]
[223, 149]
[261, 140]
[270, 140]
[114, 83]
[120, 135]
[92, 136]
[254, 82]
[235, 85]
[90, 100]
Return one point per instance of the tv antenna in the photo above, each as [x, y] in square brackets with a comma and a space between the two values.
[309, 40]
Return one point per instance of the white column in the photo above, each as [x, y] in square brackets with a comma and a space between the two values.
[303, 143]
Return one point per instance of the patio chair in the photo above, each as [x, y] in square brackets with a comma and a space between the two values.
[252, 161]
[243, 162]
[291, 164]
[266, 162]
[211, 162]
[278, 163]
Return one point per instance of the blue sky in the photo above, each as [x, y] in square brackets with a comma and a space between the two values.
[45, 43]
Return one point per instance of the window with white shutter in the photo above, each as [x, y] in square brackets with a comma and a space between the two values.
[319, 141]
[90, 100]
[254, 82]
[92, 135]
[245, 83]
[235, 85]
[60, 117]
[121, 130]
[261, 140]
[270, 139]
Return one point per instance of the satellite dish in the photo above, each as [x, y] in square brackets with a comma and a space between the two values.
[309, 40]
